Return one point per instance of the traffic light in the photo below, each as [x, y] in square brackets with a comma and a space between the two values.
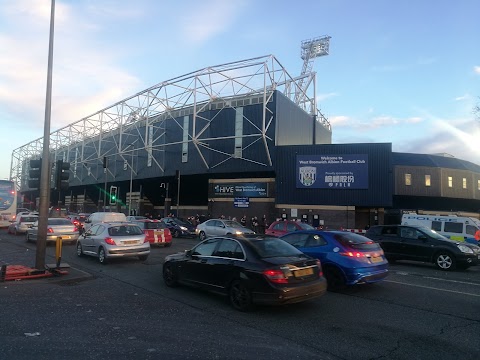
[113, 195]
[34, 174]
[62, 175]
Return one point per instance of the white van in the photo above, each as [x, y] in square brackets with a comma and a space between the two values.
[454, 227]
[106, 217]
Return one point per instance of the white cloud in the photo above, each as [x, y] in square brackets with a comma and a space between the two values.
[463, 97]
[476, 69]
[207, 19]
[339, 120]
[323, 97]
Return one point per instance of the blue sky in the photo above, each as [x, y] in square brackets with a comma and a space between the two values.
[405, 72]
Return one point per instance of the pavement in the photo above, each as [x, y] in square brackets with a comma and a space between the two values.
[16, 256]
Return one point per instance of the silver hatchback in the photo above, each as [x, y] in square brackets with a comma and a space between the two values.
[217, 227]
[113, 240]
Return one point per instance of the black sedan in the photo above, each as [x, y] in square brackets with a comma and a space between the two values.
[249, 269]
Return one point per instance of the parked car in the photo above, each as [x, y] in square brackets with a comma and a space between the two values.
[21, 224]
[418, 243]
[156, 232]
[106, 217]
[279, 228]
[113, 240]
[178, 227]
[216, 227]
[56, 227]
[347, 258]
[249, 269]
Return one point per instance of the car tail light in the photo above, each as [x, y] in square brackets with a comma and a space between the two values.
[110, 241]
[320, 271]
[50, 230]
[354, 254]
[275, 276]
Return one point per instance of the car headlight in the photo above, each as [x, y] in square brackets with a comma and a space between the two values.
[238, 232]
[465, 249]
[183, 228]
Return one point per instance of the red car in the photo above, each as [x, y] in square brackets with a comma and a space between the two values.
[156, 232]
[279, 228]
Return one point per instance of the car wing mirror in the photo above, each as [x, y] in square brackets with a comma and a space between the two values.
[188, 253]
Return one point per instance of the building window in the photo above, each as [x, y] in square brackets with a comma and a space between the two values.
[408, 179]
[478, 184]
[464, 183]
[427, 180]
[450, 182]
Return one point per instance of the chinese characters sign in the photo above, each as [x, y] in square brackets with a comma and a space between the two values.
[332, 171]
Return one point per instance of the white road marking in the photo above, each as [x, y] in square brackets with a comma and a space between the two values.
[454, 281]
[433, 288]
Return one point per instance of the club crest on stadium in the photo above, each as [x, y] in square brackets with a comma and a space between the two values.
[308, 175]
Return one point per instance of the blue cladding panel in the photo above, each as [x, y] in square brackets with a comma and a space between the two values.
[380, 176]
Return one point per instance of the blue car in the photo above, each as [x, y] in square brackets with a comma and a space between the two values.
[347, 258]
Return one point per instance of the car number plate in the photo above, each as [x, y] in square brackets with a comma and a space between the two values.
[303, 272]
[376, 259]
[65, 237]
[129, 242]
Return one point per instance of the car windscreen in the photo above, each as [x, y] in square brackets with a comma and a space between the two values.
[59, 221]
[356, 241]
[147, 225]
[231, 223]
[305, 226]
[271, 247]
[124, 230]
[28, 219]
[431, 233]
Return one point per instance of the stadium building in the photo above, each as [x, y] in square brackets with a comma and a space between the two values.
[243, 138]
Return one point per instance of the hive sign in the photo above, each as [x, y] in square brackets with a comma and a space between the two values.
[344, 172]
[241, 189]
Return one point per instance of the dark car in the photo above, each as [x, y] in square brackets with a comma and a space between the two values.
[249, 269]
[179, 227]
[347, 258]
[281, 227]
[409, 242]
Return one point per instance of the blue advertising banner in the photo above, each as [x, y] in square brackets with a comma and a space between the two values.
[241, 189]
[348, 171]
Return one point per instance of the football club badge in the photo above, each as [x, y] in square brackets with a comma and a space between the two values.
[308, 175]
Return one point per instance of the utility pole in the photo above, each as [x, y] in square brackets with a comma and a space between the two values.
[45, 173]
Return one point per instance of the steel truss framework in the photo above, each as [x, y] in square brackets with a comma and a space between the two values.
[136, 125]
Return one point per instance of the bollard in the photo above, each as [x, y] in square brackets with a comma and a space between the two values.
[3, 273]
[58, 251]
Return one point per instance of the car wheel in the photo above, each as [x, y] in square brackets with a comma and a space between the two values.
[169, 276]
[15, 232]
[240, 296]
[143, 257]
[102, 256]
[176, 234]
[79, 249]
[335, 278]
[27, 237]
[445, 261]
[202, 235]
